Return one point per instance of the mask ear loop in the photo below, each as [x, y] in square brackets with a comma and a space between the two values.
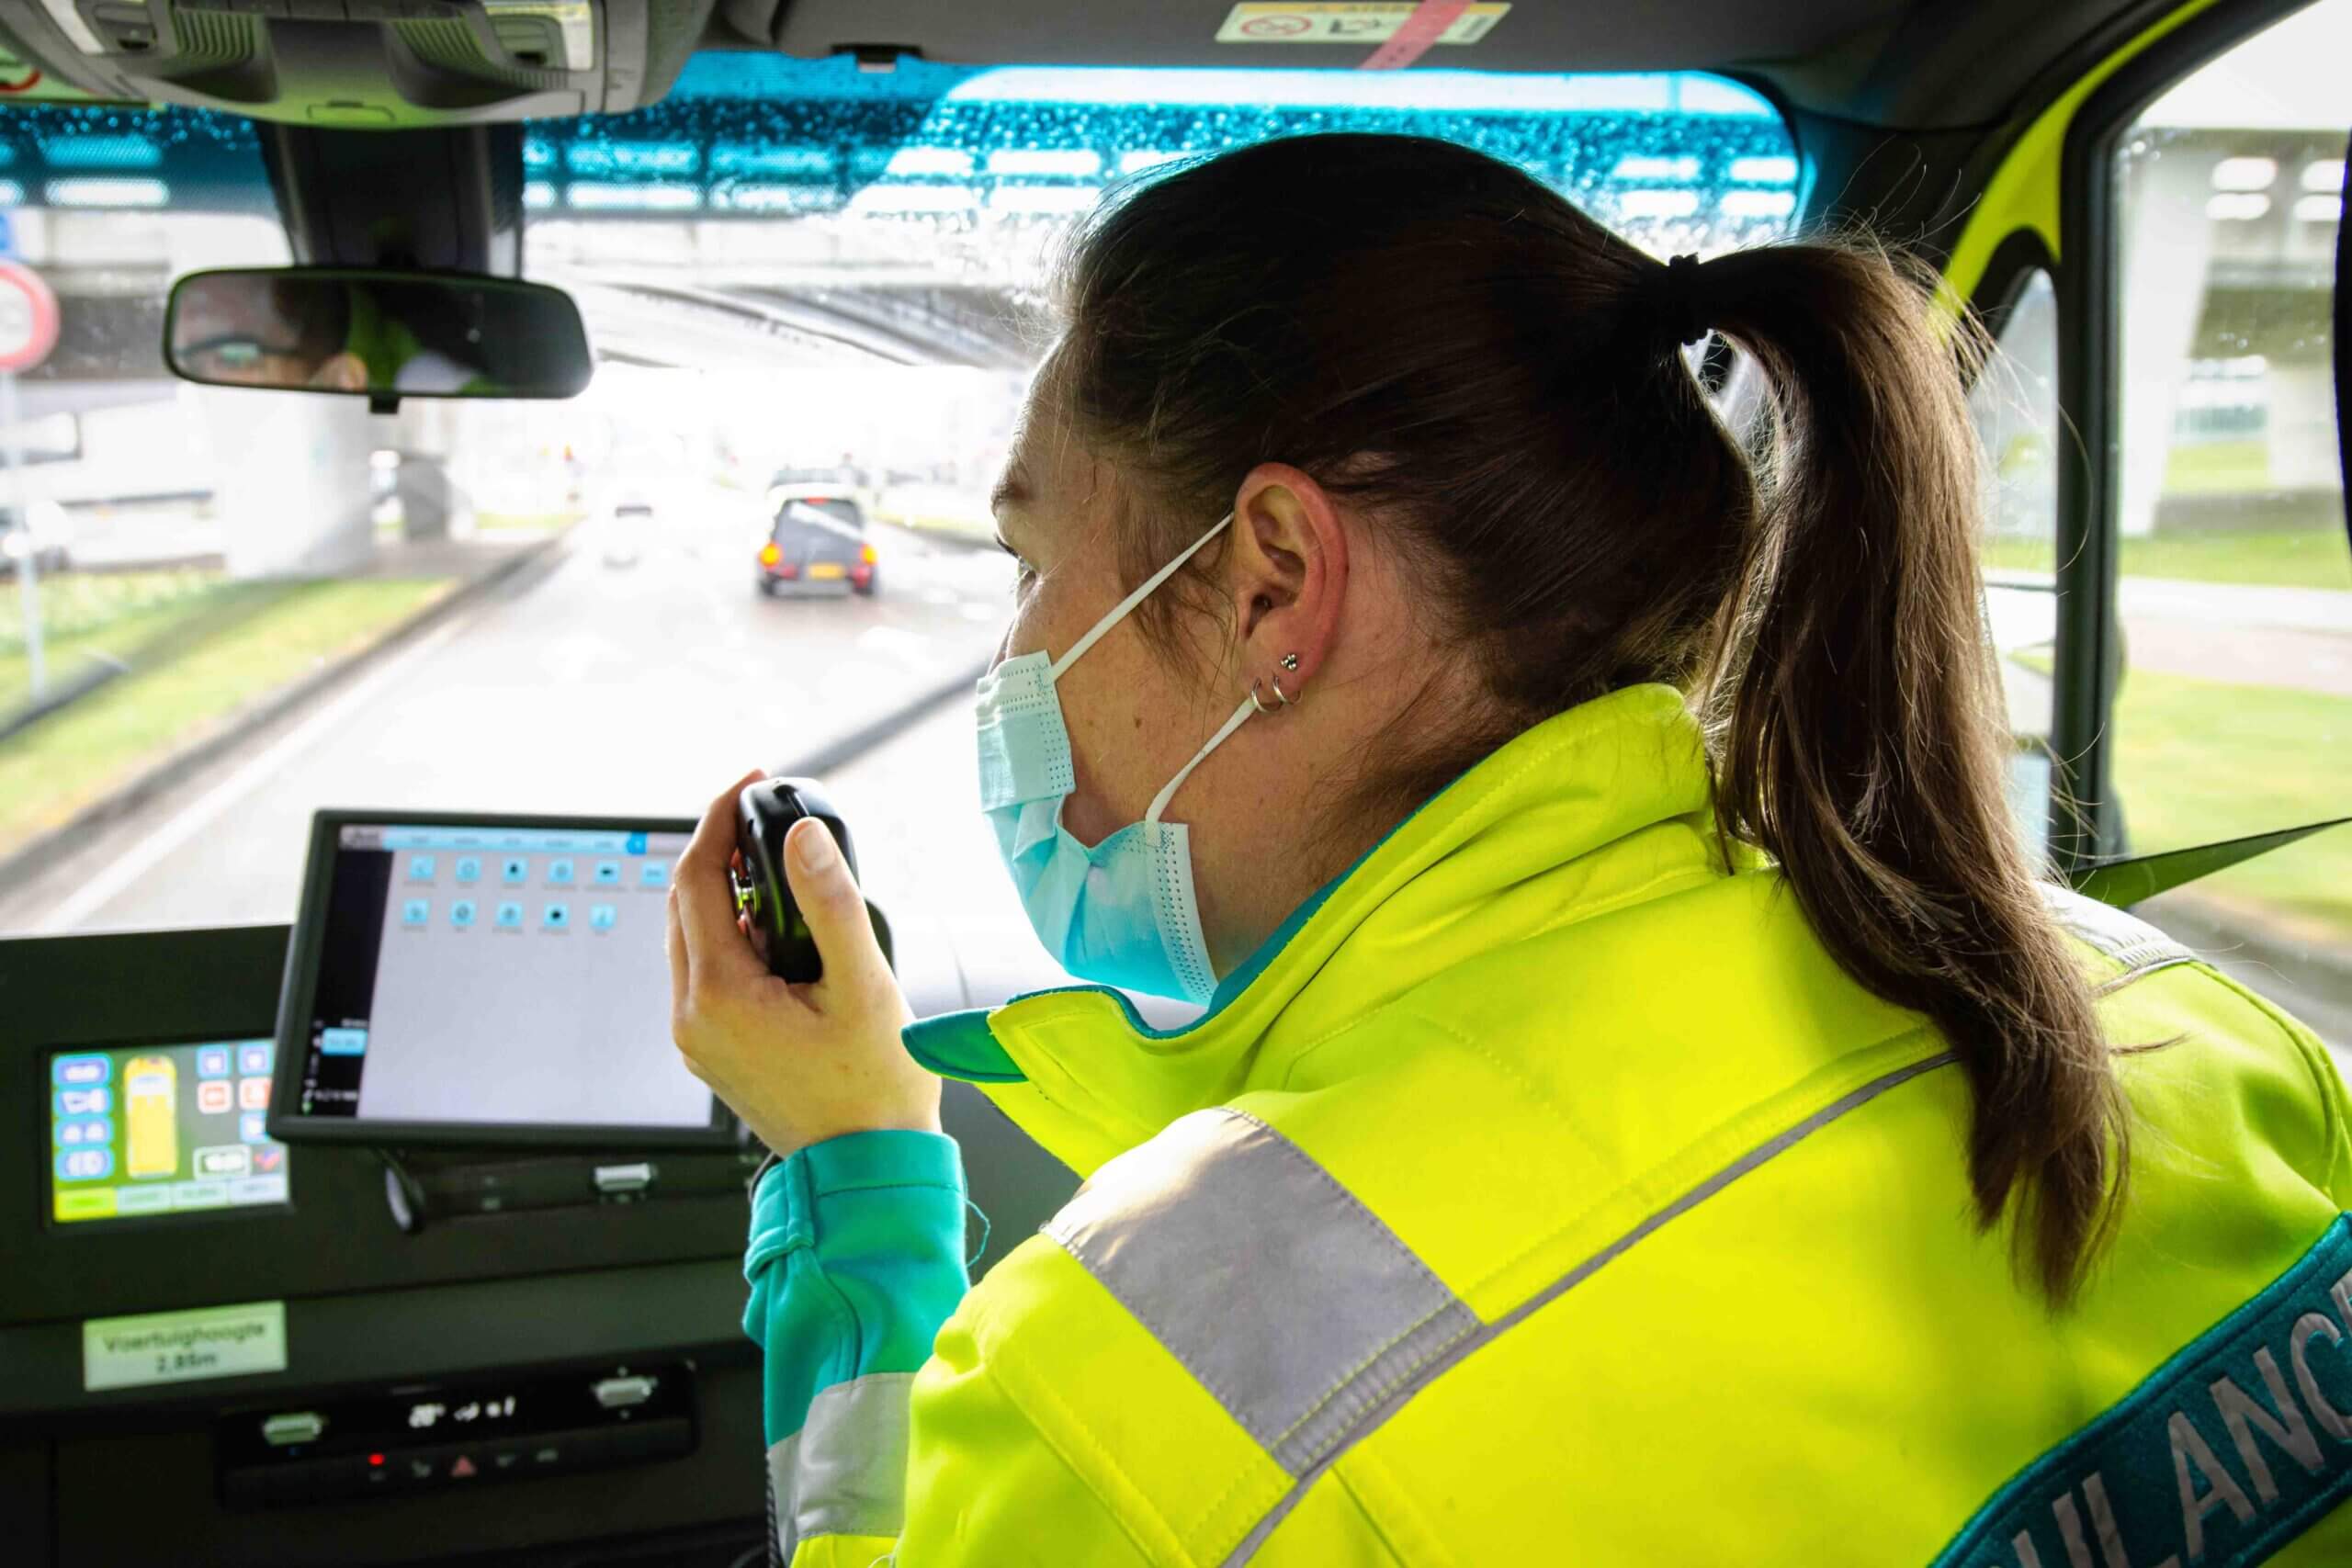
[1167, 793]
[1142, 593]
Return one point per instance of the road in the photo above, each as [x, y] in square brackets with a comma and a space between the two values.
[590, 684]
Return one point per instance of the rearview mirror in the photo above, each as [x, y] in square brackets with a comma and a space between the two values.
[384, 335]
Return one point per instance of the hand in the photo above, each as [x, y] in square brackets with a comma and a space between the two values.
[798, 1063]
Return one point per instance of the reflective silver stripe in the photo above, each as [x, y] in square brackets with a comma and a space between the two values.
[1428, 1372]
[2129, 940]
[845, 1472]
[1275, 1287]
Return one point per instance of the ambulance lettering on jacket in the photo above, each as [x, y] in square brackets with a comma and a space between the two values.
[2224, 1455]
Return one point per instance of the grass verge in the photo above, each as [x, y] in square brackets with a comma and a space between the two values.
[255, 640]
[2289, 558]
[88, 616]
[2196, 761]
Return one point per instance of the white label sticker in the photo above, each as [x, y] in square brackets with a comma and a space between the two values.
[1354, 22]
[175, 1346]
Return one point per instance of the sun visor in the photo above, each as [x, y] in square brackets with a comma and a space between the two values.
[353, 64]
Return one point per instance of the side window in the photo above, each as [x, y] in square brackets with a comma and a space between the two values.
[2015, 403]
[2233, 712]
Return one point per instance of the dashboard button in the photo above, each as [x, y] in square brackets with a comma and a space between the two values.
[294, 1427]
[622, 1393]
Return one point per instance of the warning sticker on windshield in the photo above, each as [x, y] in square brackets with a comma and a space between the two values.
[176, 1346]
[1354, 21]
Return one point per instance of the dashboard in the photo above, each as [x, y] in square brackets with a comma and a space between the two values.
[362, 1353]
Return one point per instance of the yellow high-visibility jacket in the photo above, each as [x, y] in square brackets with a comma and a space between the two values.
[1543, 1192]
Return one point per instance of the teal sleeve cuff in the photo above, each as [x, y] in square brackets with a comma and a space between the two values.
[855, 1258]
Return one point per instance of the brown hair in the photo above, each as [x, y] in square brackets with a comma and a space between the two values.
[1497, 380]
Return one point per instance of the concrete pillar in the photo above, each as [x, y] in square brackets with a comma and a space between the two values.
[290, 469]
[422, 483]
[2167, 250]
[292, 482]
[2303, 454]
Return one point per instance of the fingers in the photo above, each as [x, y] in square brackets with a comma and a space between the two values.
[674, 942]
[701, 898]
[828, 899]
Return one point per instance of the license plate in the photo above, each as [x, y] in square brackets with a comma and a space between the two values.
[826, 568]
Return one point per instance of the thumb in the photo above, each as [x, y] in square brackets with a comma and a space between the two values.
[830, 901]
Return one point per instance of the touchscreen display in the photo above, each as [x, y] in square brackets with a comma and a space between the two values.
[146, 1129]
[486, 975]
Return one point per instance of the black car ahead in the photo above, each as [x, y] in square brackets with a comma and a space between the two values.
[816, 544]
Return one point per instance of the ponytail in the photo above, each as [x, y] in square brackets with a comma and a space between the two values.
[1862, 734]
[1530, 431]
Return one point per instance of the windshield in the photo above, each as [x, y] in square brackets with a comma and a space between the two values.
[813, 290]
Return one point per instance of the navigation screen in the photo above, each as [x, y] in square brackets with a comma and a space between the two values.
[147, 1130]
[495, 976]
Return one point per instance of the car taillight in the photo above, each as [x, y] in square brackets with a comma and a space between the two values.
[769, 554]
[866, 553]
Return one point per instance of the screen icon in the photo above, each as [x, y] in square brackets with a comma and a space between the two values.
[85, 1101]
[510, 916]
[253, 1094]
[153, 1198]
[215, 1098]
[258, 1189]
[84, 1165]
[268, 1157]
[88, 1129]
[343, 1042]
[80, 1072]
[223, 1161]
[515, 871]
[150, 1115]
[254, 1057]
[461, 913]
[556, 917]
[559, 873]
[653, 874]
[253, 1127]
[469, 870]
[212, 1061]
[420, 868]
[609, 874]
[601, 916]
[416, 911]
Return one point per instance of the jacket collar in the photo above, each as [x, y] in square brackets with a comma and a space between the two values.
[1603, 805]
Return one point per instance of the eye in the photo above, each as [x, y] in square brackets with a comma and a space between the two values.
[1022, 574]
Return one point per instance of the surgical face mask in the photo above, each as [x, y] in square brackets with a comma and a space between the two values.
[1124, 912]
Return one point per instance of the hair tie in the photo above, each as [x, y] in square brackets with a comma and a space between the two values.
[1680, 313]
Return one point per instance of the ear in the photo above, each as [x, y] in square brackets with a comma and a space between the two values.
[1286, 570]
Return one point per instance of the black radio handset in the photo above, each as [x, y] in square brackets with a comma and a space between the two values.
[764, 813]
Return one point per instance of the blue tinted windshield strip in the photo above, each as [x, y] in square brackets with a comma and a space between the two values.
[1678, 159]
[122, 159]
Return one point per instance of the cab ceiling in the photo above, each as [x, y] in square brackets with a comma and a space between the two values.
[1929, 64]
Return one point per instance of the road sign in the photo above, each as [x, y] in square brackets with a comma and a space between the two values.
[28, 317]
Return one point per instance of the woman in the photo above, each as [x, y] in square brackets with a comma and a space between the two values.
[1648, 1110]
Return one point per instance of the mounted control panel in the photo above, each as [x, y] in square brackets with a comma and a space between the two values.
[476, 1434]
